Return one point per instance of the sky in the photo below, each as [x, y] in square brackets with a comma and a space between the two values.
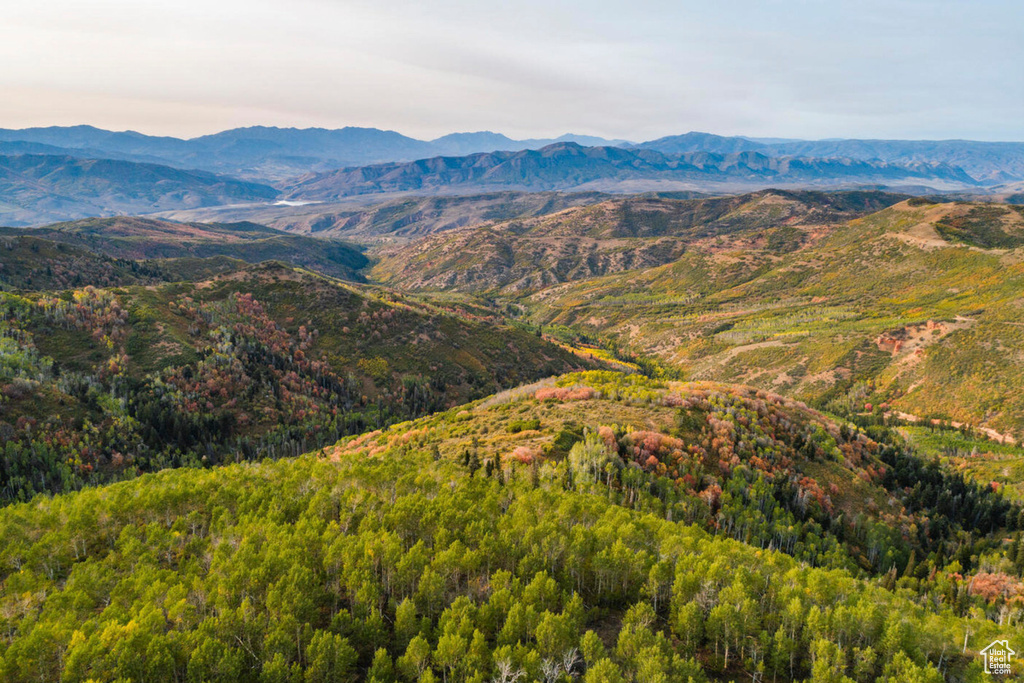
[636, 70]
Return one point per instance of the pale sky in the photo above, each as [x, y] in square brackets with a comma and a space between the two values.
[536, 68]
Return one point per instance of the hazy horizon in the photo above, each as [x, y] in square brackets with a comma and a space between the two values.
[498, 132]
[908, 69]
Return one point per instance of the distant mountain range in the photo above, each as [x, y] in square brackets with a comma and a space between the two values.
[989, 162]
[37, 188]
[65, 173]
[567, 165]
[269, 153]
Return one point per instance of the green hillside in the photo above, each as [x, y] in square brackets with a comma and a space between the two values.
[259, 472]
[983, 459]
[828, 492]
[142, 238]
[31, 263]
[98, 384]
[540, 535]
[883, 311]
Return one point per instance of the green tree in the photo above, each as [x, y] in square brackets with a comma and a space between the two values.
[554, 635]
[451, 648]
[902, 669]
[329, 658]
[604, 671]
[407, 624]
[688, 626]
[382, 669]
[592, 648]
[829, 663]
[279, 670]
[416, 658]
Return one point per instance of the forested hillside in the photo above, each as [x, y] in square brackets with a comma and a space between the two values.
[99, 384]
[541, 535]
[31, 263]
[133, 238]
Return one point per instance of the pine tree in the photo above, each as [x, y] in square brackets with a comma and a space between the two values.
[909, 570]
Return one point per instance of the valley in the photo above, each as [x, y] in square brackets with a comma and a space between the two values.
[553, 342]
[403, 219]
[370, 181]
[907, 306]
[669, 436]
[249, 362]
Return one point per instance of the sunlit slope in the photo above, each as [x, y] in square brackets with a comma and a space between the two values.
[824, 490]
[631, 233]
[912, 306]
[468, 546]
[399, 220]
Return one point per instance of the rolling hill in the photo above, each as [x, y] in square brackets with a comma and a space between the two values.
[37, 189]
[616, 235]
[537, 536]
[34, 264]
[143, 238]
[568, 166]
[912, 309]
[394, 220]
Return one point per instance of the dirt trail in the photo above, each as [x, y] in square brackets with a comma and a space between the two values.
[734, 351]
[990, 433]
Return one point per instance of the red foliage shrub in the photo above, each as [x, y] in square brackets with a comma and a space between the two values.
[993, 586]
[564, 394]
[525, 454]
